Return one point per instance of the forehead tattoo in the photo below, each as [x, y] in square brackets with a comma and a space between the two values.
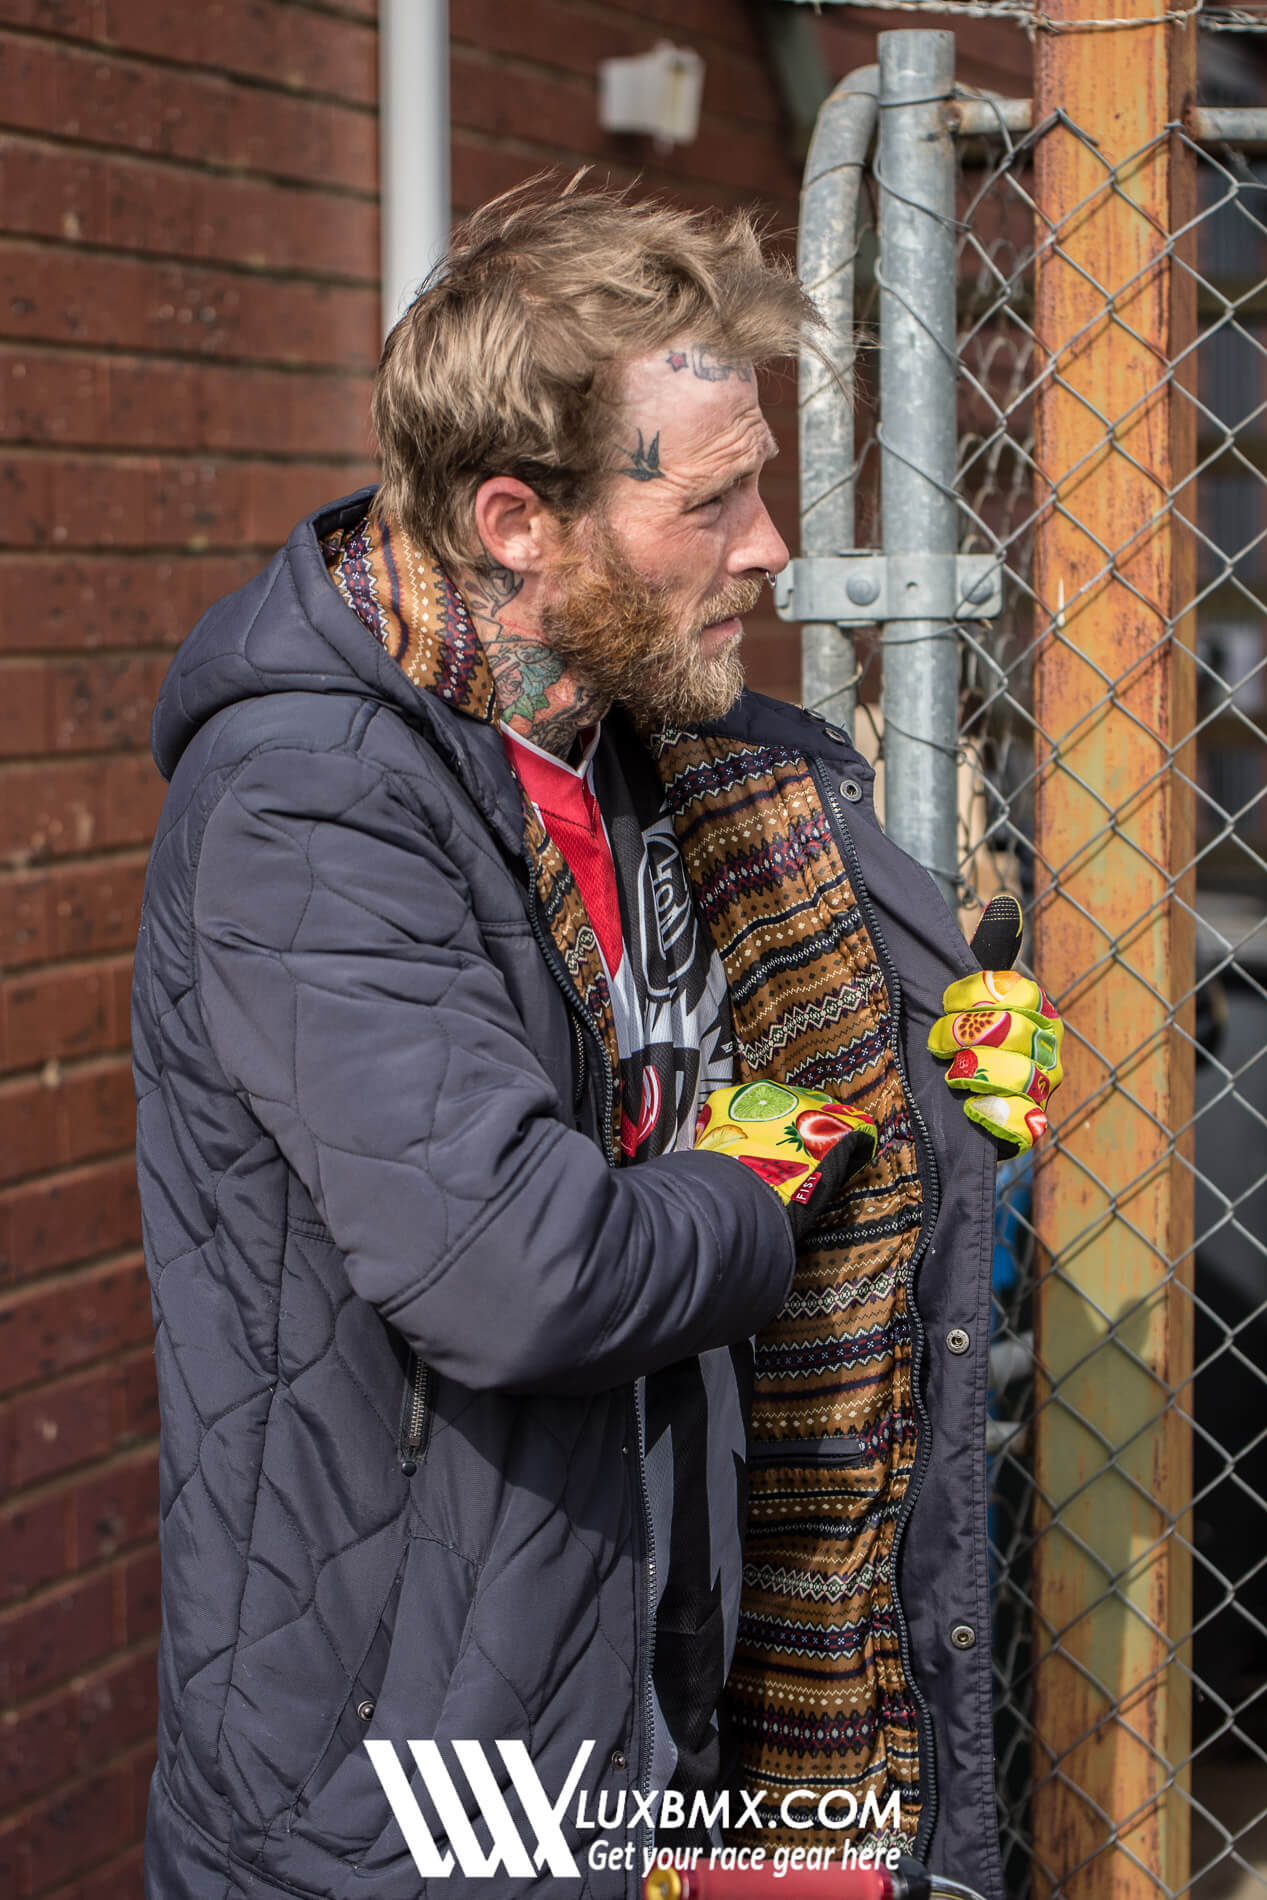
[708, 366]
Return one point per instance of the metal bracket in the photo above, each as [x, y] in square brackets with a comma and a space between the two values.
[863, 589]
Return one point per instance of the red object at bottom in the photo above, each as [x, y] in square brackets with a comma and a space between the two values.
[763, 1883]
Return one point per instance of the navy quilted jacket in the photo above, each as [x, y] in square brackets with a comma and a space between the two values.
[399, 1297]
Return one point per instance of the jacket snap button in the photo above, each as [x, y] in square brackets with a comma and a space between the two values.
[365, 1710]
[963, 1636]
[851, 790]
[957, 1340]
[618, 1758]
[834, 732]
[408, 1466]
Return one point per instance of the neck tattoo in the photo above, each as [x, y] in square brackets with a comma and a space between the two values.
[537, 697]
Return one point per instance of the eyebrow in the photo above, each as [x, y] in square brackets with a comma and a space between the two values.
[703, 489]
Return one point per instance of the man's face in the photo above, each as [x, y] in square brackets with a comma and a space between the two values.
[646, 603]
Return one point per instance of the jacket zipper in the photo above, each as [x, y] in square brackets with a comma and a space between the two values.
[578, 1039]
[558, 969]
[648, 1682]
[415, 1416]
[926, 1167]
[579, 1015]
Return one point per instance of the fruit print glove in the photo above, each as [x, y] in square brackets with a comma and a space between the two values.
[802, 1144]
[1003, 1035]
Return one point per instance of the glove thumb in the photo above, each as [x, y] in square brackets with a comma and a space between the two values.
[845, 1158]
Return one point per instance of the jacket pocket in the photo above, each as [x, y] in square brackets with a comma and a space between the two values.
[398, 1694]
[358, 1707]
[821, 1479]
[844, 1448]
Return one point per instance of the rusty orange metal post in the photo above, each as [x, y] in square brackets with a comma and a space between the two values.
[1114, 703]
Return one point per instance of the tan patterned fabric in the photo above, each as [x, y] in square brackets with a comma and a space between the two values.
[818, 1692]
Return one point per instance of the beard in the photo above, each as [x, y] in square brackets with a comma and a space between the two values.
[624, 640]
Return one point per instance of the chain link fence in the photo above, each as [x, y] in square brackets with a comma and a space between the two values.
[1221, 1650]
[1128, 1429]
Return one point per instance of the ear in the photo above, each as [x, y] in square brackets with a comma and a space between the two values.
[515, 525]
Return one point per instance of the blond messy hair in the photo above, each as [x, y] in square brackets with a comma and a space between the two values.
[508, 360]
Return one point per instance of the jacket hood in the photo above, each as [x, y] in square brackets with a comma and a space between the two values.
[287, 631]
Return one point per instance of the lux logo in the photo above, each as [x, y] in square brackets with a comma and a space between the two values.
[506, 1848]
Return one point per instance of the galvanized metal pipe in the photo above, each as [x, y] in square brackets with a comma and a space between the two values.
[1245, 126]
[990, 115]
[827, 248]
[413, 135]
[916, 273]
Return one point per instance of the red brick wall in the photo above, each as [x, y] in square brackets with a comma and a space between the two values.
[188, 318]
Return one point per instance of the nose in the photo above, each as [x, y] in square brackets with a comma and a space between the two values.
[758, 547]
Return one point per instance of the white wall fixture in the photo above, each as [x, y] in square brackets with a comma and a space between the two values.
[656, 93]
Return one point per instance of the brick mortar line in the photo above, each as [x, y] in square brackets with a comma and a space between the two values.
[329, 10]
[159, 62]
[54, 1487]
[95, 453]
[9, 554]
[82, 756]
[117, 52]
[73, 1889]
[72, 1475]
[166, 550]
[15, 656]
[514, 146]
[73, 1065]
[12, 340]
[179, 359]
[79, 860]
[57, 1177]
[69, 966]
[44, 1595]
[134, 1752]
[195, 168]
[43, 1488]
[125, 1652]
[256, 273]
[627, 10]
[23, 657]
[522, 66]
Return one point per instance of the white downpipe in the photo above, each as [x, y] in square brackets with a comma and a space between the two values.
[413, 145]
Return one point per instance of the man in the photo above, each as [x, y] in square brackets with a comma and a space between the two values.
[478, 877]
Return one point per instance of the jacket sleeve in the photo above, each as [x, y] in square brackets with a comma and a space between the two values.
[348, 996]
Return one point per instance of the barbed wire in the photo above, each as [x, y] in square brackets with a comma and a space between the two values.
[1035, 20]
